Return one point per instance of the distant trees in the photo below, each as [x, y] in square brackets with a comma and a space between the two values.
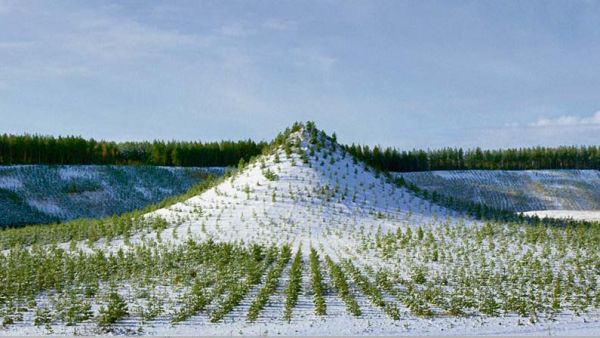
[566, 157]
[35, 149]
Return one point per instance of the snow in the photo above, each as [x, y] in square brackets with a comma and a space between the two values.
[10, 183]
[143, 190]
[75, 191]
[338, 323]
[69, 172]
[304, 212]
[46, 206]
[579, 215]
[165, 190]
[516, 190]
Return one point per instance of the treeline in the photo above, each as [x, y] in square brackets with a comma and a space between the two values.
[35, 149]
[391, 159]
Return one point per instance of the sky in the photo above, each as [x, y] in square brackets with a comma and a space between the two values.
[408, 74]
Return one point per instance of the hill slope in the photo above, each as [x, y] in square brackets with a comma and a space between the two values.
[516, 190]
[284, 199]
[34, 194]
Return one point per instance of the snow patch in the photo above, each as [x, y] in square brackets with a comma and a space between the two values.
[46, 206]
[71, 172]
[143, 190]
[10, 183]
[165, 190]
[578, 215]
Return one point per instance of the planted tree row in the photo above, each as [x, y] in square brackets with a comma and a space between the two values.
[294, 286]
[371, 291]
[339, 281]
[316, 281]
[238, 291]
[270, 285]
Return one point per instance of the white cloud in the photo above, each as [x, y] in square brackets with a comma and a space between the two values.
[567, 120]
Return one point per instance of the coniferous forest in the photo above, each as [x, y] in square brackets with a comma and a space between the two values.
[565, 157]
[36, 149]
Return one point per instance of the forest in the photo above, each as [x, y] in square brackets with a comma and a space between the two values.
[534, 158]
[36, 149]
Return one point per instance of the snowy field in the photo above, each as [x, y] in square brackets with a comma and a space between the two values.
[525, 190]
[336, 324]
[309, 231]
[31, 194]
[579, 215]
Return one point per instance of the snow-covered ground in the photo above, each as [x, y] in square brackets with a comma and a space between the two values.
[306, 204]
[579, 215]
[340, 324]
[326, 200]
[32, 194]
[524, 190]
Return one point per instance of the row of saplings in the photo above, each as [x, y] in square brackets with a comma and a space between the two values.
[211, 273]
[217, 274]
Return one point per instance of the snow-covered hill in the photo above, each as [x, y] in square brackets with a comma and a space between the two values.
[282, 198]
[369, 257]
[33, 194]
[516, 190]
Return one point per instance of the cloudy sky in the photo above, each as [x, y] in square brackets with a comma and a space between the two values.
[423, 74]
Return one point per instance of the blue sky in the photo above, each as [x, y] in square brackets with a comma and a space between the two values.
[423, 74]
